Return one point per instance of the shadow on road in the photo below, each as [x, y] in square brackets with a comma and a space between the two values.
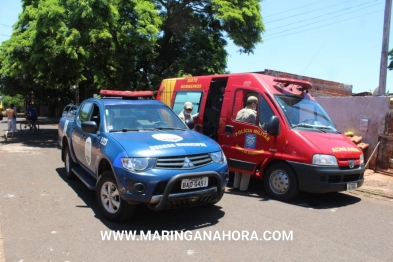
[148, 220]
[303, 199]
[46, 138]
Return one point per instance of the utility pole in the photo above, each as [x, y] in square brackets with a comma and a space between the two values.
[385, 47]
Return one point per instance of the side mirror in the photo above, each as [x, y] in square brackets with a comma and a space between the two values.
[273, 127]
[89, 127]
[190, 123]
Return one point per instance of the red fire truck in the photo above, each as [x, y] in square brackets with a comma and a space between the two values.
[294, 145]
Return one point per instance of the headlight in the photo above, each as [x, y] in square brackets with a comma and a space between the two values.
[137, 164]
[361, 158]
[324, 160]
[218, 157]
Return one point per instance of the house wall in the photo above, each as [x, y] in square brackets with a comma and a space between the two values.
[347, 113]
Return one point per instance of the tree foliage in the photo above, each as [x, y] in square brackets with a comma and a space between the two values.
[124, 45]
[17, 100]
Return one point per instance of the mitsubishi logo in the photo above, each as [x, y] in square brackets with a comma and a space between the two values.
[187, 163]
[351, 163]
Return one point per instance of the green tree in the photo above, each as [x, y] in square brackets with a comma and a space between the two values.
[17, 100]
[113, 44]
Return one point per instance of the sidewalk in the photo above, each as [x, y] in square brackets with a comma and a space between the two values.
[377, 185]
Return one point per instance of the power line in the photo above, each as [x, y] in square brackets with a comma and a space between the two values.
[325, 15]
[5, 35]
[295, 9]
[315, 10]
[5, 25]
[317, 27]
[313, 58]
[316, 22]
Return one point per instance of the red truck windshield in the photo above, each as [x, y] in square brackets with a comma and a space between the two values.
[305, 113]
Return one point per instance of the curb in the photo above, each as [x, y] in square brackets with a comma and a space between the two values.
[375, 192]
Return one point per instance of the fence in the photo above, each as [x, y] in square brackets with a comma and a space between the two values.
[384, 162]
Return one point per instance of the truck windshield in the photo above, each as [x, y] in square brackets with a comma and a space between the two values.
[305, 113]
[134, 117]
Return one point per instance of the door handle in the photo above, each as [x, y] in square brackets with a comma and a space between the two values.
[228, 129]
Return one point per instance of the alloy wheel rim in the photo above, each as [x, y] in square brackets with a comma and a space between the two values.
[110, 197]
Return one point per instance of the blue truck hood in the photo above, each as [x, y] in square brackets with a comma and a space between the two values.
[164, 143]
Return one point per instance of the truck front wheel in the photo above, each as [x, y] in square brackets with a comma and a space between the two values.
[109, 200]
[68, 164]
[281, 182]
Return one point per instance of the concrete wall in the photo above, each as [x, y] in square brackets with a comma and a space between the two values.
[347, 113]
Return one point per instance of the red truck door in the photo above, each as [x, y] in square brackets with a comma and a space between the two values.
[247, 145]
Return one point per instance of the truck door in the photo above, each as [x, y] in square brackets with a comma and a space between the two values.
[86, 144]
[247, 145]
[92, 141]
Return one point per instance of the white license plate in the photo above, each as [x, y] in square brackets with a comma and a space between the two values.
[352, 186]
[194, 183]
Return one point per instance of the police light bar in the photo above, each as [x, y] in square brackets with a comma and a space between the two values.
[130, 94]
[287, 81]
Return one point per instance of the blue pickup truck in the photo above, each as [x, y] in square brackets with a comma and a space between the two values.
[132, 150]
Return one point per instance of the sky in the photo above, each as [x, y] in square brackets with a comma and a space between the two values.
[336, 40]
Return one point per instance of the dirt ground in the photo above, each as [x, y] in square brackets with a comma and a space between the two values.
[377, 185]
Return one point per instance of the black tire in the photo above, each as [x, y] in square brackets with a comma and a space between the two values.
[109, 200]
[68, 164]
[36, 128]
[281, 182]
[24, 127]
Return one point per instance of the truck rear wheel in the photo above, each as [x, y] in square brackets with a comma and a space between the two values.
[281, 182]
[68, 164]
[109, 200]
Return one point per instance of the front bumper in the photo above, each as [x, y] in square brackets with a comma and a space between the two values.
[323, 179]
[172, 198]
[162, 190]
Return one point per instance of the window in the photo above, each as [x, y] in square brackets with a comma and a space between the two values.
[84, 113]
[134, 117]
[182, 97]
[265, 113]
[301, 112]
[241, 97]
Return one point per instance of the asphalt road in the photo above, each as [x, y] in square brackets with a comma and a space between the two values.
[45, 217]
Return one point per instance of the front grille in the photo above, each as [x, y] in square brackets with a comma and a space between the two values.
[189, 202]
[183, 162]
[343, 163]
[344, 178]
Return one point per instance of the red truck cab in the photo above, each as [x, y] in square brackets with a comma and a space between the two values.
[294, 145]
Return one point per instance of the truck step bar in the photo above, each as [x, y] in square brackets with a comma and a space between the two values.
[87, 179]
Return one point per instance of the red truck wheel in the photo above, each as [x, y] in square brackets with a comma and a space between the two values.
[281, 182]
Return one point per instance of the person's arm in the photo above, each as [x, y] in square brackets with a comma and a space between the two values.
[252, 119]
